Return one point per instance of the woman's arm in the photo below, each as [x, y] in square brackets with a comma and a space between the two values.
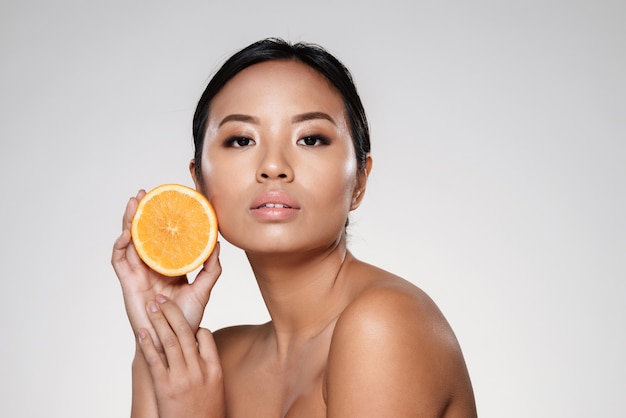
[393, 354]
[144, 403]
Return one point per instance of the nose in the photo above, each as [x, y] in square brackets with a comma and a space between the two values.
[274, 165]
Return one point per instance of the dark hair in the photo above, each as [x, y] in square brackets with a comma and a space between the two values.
[272, 49]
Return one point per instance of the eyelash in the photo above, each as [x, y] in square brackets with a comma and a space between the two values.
[319, 140]
[235, 142]
[242, 141]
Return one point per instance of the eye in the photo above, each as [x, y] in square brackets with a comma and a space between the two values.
[239, 142]
[313, 141]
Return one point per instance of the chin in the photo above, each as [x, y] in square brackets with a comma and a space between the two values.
[283, 238]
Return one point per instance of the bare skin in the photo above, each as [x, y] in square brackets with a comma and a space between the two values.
[346, 339]
[375, 345]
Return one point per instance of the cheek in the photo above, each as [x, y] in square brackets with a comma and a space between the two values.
[346, 173]
[227, 183]
[336, 182]
[217, 184]
[214, 178]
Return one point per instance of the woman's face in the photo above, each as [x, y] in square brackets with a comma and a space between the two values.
[278, 161]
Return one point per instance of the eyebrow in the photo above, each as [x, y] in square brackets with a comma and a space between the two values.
[311, 116]
[296, 119]
[239, 118]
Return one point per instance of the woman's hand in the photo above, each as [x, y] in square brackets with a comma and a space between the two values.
[140, 284]
[187, 378]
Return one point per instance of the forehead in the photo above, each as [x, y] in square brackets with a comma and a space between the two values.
[269, 84]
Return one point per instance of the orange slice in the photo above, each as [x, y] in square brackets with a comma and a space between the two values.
[174, 229]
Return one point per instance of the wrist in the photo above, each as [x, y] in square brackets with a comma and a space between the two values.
[139, 361]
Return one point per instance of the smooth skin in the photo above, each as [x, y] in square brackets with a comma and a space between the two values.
[346, 339]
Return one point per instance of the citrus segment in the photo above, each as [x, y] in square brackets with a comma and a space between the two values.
[174, 229]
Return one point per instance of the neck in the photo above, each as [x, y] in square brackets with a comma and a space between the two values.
[304, 293]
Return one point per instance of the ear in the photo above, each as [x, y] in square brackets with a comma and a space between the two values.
[198, 182]
[361, 184]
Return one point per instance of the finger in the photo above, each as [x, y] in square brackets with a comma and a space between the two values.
[167, 337]
[179, 324]
[124, 257]
[207, 277]
[131, 208]
[207, 347]
[118, 256]
[155, 363]
[123, 251]
[129, 212]
[121, 245]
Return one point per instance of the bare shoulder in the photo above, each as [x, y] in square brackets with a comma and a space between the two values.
[389, 303]
[235, 341]
[394, 354]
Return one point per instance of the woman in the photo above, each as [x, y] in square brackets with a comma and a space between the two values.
[282, 152]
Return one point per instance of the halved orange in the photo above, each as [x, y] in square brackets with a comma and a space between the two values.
[174, 229]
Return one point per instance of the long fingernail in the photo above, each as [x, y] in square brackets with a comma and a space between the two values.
[152, 307]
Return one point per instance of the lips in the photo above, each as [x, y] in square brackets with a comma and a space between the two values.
[274, 200]
[274, 206]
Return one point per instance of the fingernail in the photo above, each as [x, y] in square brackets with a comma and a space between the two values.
[142, 334]
[152, 307]
[161, 299]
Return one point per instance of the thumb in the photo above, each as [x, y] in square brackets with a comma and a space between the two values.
[207, 277]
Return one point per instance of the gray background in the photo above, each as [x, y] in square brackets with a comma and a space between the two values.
[498, 184]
